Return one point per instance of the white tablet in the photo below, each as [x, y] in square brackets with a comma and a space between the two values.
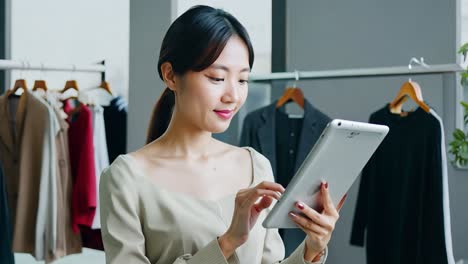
[338, 157]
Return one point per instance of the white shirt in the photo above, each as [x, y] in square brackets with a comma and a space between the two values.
[101, 156]
[46, 222]
[445, 194]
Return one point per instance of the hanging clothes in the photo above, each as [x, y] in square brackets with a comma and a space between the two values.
[46, 221]
[6, 254]
[287, 144]
[23, 125]
[95, 96]
[81, 147]
[101, 156]
[67, 242]
[286, 147]
[91, 236]
[115, 118]
[400, 208]
[83, 164]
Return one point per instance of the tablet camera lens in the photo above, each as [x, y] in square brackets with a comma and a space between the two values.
[339, 123]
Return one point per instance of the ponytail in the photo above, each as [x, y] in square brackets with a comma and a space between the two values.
[161, 115]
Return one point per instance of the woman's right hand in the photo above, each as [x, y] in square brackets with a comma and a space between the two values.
[246, 212]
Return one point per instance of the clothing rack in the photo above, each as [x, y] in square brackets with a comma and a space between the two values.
[450, 78]
[25, 65]
[359, 72]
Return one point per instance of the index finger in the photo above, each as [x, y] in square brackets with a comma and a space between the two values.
[328, 206]
[271, 186]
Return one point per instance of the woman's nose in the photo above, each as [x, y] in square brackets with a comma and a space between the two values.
[231, 94]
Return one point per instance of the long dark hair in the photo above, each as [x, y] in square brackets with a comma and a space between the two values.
[193, 42]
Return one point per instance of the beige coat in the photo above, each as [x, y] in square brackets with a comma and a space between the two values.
[22, 137]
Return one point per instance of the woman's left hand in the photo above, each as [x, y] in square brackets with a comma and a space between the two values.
[317, 226]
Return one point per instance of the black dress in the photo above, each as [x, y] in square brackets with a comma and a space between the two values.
[400, 202]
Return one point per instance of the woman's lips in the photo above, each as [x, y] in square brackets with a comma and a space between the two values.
[224, 114]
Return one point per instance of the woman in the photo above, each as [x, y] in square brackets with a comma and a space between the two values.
[186, 197]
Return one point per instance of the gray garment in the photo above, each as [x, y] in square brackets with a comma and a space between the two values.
[445, 194]
[259, 132]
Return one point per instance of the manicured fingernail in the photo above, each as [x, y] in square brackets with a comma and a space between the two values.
[300, 206]
[292, 214]
[325, 184]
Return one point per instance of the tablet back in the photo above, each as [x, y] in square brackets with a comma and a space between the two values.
[338, 157]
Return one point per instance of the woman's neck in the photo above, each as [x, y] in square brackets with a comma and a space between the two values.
[184, 140]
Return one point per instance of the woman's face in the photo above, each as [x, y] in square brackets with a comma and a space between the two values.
[209, 99]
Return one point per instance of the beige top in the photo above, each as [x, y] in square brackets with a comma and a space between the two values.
[143, 223]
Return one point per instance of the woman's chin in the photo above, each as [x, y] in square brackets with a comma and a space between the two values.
[219, 128]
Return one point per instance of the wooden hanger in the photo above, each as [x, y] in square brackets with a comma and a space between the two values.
[20, 83]
[292, 93]
[412, 90]
[105, 85]
[70, 84]
[40, 84]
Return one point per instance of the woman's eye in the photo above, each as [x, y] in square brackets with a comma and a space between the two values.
[243, 81]
[216, 79]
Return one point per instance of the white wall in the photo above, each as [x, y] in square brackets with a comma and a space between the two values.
[254, 15]
[71, 32]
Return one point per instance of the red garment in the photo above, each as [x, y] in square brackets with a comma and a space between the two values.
[80, 137]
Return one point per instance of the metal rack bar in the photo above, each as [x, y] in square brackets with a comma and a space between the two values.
[25, 65]
[359, 72]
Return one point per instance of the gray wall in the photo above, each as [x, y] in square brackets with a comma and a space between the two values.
[325, 34]
[149, 21]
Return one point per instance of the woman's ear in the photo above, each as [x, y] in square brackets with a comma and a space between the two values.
[168, 75]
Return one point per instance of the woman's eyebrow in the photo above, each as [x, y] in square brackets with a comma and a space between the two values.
[222, 67]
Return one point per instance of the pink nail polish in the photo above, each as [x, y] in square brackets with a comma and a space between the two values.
[325, 184]
[300, 206]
